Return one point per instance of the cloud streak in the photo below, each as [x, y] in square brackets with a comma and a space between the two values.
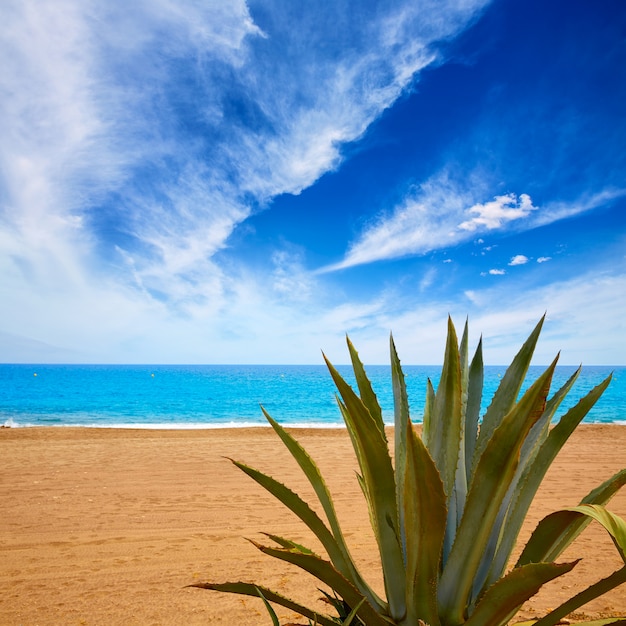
[444, 212]
[139, 138]
[441, 213]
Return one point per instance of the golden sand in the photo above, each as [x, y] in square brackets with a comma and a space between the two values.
[104, 527]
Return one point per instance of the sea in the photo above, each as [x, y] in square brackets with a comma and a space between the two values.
[230, 396]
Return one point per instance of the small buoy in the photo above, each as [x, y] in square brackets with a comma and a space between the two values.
[35, 374]
[152, 375]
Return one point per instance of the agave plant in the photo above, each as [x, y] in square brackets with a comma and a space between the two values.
[447, 511]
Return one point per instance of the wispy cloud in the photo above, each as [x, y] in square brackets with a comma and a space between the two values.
[149, 133]
[137, 139]
[503, 316]
[444, 212]
[560, 210]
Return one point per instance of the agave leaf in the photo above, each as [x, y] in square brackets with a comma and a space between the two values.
[459, 493]
[507, 392]
[523, 488]
[616, 528]
[336, 602]
[287, 543]
[445, 436]
[269, 608]
[614, 525]
[503, 599]
[425, 515]
[359, 477]
[325, 571]
[428, 409]
[472, 411]
[556, 531]
[298, 506]
[365, 389]
[353, 438]
[536, 465]
[446, 413]
[491, 567]
[345, 564]
[464, 347]
[591, 593]
[378, 476]
[352, 614]
[248, 589]
[342, 608]
[494, 472]
[401, 422]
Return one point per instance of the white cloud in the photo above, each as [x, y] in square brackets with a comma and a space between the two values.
[544, 259]
[519, 259]
[497, 272]
[499, 211]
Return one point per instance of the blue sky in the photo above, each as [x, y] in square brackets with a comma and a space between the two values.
[227, 182]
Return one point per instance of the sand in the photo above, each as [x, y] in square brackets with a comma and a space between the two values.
[108, 526]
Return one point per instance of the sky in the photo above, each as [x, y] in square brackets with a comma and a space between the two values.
[212, 181]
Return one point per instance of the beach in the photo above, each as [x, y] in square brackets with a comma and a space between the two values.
[108, 526]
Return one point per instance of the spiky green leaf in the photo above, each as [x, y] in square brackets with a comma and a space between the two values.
[507, 392]
[378, 476]
[472, 411]
[428, 410]
[366, 392]
[325, 571]
[535, 466]
[445, 435]
[269, 608]
[494, 472]
[298, 506]
[556, 531]
[503, 599]
[587, 595]
[343, 560]
[248, 589]
[401, 422]
[522, 489]
[425, 515]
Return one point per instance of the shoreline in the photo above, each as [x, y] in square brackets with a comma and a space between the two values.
[107, 526]
[195, 426]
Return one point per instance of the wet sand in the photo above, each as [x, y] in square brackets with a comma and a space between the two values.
[103, 527]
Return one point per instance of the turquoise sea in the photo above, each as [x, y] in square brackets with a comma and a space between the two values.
[205, 396]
